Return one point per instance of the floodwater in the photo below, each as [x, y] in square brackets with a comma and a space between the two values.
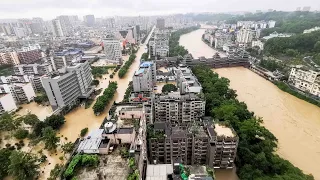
[294, 122]
[80, 117]
[192, 41]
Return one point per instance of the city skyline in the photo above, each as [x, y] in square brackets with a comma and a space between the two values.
[49, 9]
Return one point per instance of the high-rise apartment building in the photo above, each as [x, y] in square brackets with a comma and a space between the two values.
[7, 103]
[64, 58]
[160, 23]
[159, 44]
[57, 28]
[28, 55]
[89, 20]
[65, 89]
[112, 49]
[145, 78]
[245, 35]
[21, 92]
[9, 57]
[178, 109]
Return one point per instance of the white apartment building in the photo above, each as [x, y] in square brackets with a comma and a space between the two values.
[64, 89]
[305, 80]
[145, 78]
[272, 24]
[33, 79]
[112, 49]
[21, 92]
[7, 103]
[31, 47]
[245, 35]
[20, 32]
[32, 69]
[187, 81]
[258, 43]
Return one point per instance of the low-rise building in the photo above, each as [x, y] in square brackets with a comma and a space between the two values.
[305, 80]
[257, 43]
[311, 30]
[32, 69]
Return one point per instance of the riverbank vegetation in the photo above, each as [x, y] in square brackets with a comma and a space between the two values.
[174, 48]
[126, 66]
[284, 87]
[104, 99]
[256, 157]
[302, 44]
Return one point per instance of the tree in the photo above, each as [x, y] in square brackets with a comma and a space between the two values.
[30, 119]
[317, 47]
[37, 130]
[55, 121]
[68, 147]
[21, 133]
[145, 56]
[169, 88]
[50, 139]
[8, 123]
[83, 132]
[5, 162]
[95, 82]
[41, 99]
[54, 173]
[23, 166]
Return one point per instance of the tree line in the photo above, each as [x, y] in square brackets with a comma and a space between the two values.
[256, 157]
[124, 69]
[105, 98]
[174, 48]
[294, 45]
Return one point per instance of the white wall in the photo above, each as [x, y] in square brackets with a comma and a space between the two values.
[29, 91]
[8, 103]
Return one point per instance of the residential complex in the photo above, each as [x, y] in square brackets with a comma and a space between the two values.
[112, 49]
[32, 69]
[21, 92]
[178, 109]
[9, 57]
[57, 28]
[245, 35]
[159, 44]
[65, 89]
[64, 58]
[27, 56]
[305, 80]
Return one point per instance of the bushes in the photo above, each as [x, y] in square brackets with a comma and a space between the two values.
[256, 149]
[128, 92]
[104, 99]
[126, 66]
[83, 132]
[55, 121]
[97, 72]
[95, 82]
[41, 99]
[81, 160]
[21, 133]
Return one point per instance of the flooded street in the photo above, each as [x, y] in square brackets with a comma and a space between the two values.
[80, 117]
[294, 122]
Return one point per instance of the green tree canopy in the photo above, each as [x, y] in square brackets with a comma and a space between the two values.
[30, 119]
[55, 121]
[50, 139]
[169, 88]
[23, 166]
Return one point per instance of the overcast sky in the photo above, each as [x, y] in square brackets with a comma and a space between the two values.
[49, 9]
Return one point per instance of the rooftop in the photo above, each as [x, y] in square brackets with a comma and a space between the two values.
[222, 130]
[159, 171]
[146, 64]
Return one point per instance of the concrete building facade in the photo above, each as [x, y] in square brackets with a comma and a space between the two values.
[245, 35]
[145, 78]
[112, 49]
[7, 103]
[159, 44]
[305, 80]
[186, 81]
[9, 57]
[65, 88]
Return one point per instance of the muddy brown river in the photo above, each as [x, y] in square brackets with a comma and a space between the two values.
[296, 123]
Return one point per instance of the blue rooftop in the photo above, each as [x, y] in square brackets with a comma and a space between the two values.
[68, 52]
[146, 64]
[140, 71]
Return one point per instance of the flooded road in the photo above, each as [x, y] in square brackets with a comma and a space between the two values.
[294, 122]
[80, 117]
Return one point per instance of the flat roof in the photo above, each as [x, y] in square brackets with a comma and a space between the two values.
[159, 171]
[92, 141]
[146, 64]
[222, 130]
[140, 71]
